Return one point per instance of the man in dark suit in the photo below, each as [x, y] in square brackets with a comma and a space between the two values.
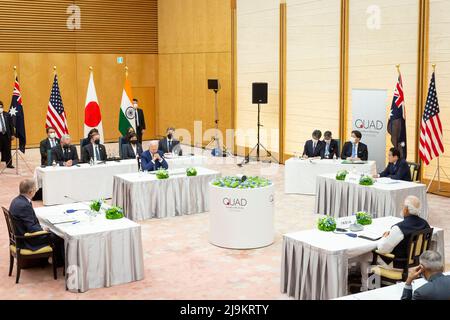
[47, 145]
[314, 148]
[438, 285]
[94, 150]
[355, 149]
[132, 149]
[169, 144]
[153, 159]
[65, 154]
[397, 169]
[25, 221]
[87, 140]
[6, 136]
[331, 149]
[140, 120]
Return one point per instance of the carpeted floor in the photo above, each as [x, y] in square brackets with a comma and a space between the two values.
[179, 261]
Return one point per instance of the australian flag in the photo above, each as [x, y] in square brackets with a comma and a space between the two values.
[17, 115]
[397, 120]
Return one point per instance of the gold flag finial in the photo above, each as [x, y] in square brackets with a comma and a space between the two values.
[126, 71]
[90, 68]
[434, 67]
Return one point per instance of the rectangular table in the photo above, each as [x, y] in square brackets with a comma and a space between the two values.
[98, 252]
[393, 292]
[342, 199]
[187, 161]
[315, 263]
[143, 196]
[300, 175]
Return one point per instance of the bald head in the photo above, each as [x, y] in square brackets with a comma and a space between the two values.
[412, 206]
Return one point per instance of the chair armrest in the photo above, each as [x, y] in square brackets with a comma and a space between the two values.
[36, 234]
[387, 255]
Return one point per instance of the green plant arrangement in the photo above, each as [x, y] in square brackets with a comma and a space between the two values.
[191, 172]
[363, 218]
[162, 174]
[96, 205]
[366, 181]
[114, 213]
[341, 175]
[237, 183]
[327, 224]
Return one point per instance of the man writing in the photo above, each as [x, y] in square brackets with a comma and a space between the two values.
[397, 169]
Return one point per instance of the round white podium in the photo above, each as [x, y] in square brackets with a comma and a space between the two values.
[241, 218]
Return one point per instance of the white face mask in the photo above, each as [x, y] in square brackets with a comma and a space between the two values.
[52, 135]
[135, 105]
[353, 140]
[1, 109]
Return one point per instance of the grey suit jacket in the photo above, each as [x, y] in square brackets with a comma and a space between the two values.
[437, 288]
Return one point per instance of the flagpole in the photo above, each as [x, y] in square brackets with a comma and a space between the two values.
[17, 140]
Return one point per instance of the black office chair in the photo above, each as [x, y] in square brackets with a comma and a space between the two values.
[415, 171]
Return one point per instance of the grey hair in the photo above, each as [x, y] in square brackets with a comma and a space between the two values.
[65, 136]
[413, 204]
[432, 261]
[26, 186]
[154, 143]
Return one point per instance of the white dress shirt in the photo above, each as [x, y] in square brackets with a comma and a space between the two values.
[387, 244]
[134, 147]
[52, 142]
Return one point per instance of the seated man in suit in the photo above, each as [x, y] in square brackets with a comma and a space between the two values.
[87, 140]
[65, 154]
[314, 148]
[169, 144]
[133, 149]
[395, 241]
[397, 168]
[94, 150]
[25, 220]
[47, 145]
[153, 159]
[438, 285]
[355, 150]
[331, 149]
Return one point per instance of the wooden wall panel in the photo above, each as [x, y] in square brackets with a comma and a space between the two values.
[194, 45]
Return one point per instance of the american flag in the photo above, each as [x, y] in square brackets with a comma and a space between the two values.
[56, 117]
[431, 136]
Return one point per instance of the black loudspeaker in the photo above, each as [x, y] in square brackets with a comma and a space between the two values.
[260, 93]
[213, 84]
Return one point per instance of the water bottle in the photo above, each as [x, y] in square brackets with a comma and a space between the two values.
[54, 164]
[334, 157]
[91, 162]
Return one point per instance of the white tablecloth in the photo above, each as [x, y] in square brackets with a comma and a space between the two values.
[342, 199]
[300, 175]
[315, 263]
[83, 183]
[186, 161]
[98, 252]
[393, 292]
[143, 196]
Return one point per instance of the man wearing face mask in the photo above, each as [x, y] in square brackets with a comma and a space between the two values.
[169, 144]
[133, 149]
[331, 149]
[6, 136]
[355, 150]
[94, 150]
[65, 154]
[140, 120]
[47, 145]
[314, 148]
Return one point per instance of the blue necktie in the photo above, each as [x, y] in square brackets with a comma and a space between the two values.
[354, 151]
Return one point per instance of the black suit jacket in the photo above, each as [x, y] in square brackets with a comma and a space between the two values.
[398, 171]
[363, 152]
[8, 124]
[58, 155]
[128, 152]
[311, 152]
[44, 147]
[333, 150]
[88, 153]
[25, 221]
[437, 288]
[163, 146]
[141, 118]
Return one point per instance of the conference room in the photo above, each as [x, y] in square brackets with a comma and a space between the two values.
[225, 150]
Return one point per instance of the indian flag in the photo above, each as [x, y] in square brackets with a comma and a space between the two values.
[127, 113]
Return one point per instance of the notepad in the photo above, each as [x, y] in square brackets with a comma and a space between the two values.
[59, 219]
[387, 181]
[370, 235]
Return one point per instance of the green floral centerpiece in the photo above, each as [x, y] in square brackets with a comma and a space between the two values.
[96, 205]
[191, 172]
[114, 213]
[162, 174]
[327, 224]
[366, 181]
[363, 218]
[238, 183]
[341, 175]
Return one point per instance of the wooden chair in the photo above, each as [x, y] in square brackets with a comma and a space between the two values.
[418, 243]
[415, 170]
[18, 251]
